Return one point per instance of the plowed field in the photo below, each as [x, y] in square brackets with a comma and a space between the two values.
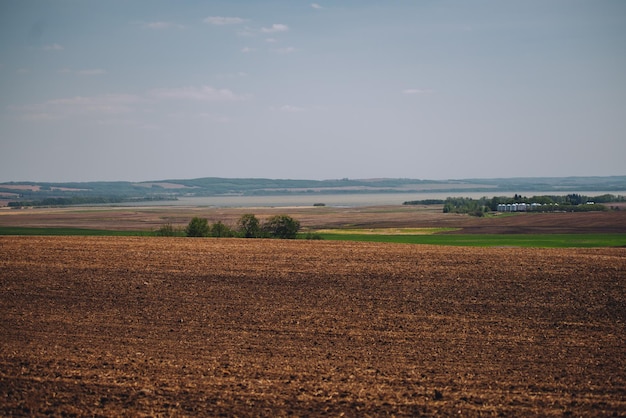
[174, 327]
[401, 216]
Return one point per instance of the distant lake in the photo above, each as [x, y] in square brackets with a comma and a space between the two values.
[341, 200]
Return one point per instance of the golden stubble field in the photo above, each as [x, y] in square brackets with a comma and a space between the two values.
[176, 327]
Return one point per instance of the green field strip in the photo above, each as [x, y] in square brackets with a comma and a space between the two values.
[10, 230]
[492, 240]
[469, 240]
[386, 231]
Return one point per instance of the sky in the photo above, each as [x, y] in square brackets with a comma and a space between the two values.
[140, 90]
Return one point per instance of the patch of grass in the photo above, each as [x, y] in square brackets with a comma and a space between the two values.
[404, 236]
[386, 231]
[491, 240]
[10, 230]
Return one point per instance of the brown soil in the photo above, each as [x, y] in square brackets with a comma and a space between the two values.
[176, 327]
[21, 187]
[151, 218]
[549, 223]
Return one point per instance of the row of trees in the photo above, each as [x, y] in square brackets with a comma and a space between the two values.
[548, 203]
[67, 201]
[248, 226]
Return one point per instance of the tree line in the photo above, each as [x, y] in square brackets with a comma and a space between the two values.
[572, 202]
[248, 226]
[83, 200]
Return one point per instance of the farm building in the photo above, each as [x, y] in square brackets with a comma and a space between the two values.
[518, 207]
[512, 207]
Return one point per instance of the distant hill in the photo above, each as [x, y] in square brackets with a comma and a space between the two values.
[122, 191]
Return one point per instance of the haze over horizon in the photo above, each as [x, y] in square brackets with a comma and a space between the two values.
[154, 90]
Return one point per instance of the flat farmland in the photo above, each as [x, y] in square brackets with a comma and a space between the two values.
[312, 218]
[131, 326]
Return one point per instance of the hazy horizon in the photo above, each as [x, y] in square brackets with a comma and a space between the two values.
[157, 90]
[426, 181]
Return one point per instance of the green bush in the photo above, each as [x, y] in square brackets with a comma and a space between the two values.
[168, 230]
[249, 226]
[197, 227]
[281, 226]
[313, 236]
[220, 230]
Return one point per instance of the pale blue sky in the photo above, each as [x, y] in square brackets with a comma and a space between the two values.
[153, 89]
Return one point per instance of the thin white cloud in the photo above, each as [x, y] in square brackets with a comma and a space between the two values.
[116, 121]
[238, 74]
[86, 72]
[91, 71]
[287, 50]
[38, 116]
[247, 32]
[316, 6]
[53, 47]
[161, 25]
[415, 91]
[203, 93]
[247, 49]
[271, 40]
[149, 127]
[221, 20]
[289, 109]
[115, 103]
[276, 27]
[116, 108]
[108, 104]
[201, 116]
